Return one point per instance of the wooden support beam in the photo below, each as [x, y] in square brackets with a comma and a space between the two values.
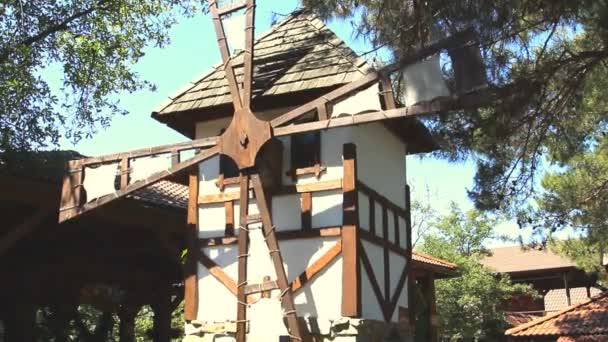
[372, 214]
[14, 235]
[202, 143]
[229, 210]
[126, 314]
[67, 211]
[385, 254]
[442, 104]
[218, 273]
[243, 241]
[316, 267]
[232, 8]
[191, 274]
[162, 317]
[351, 273]
[369, 270]
[454, 41]
[277, 259]
[225, 53]
[124, 172]
[408, 241]
[248, 53]
[306, 207]
[282, 235]
[328, 185]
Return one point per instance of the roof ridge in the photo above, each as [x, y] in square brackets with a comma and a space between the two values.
[538, 321]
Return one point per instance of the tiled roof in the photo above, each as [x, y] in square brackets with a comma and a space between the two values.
[431, 260]
[556, 299]
[164, 193]
[519, 318]
[299, 53]
[587, 318]
[516, 259]
[428, 263]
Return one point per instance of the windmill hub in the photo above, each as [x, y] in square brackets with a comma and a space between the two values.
[244, 138]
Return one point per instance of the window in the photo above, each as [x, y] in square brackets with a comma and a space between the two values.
[305, 150]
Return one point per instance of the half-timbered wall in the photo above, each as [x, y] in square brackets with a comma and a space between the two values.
[380, 169]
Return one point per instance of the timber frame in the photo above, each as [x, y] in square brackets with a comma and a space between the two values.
[348, 244]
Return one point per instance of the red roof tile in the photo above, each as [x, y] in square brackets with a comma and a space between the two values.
[587, 318]
[429, 259]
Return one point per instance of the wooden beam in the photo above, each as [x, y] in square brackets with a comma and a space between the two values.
[14, 235]
[386, 255]
[218, 273]
[291, 234]
[327, 185]
[454, 41]
[225, 53]
[277, 259]
[229, 209]
[66, 212]
[306, 210]
[191, 274]
[316, 267]
[248, 53]
[351, 276]
[232, 8]
[202, 143]
[367, 266]
[438, 105]
[243, 242]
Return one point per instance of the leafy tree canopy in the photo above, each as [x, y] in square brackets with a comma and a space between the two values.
[546, 67]
[94, 42]
[469, 306]
[576, 197]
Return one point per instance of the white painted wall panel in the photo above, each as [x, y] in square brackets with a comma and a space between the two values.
[322, 297]
[286, 212]
[391, 225]
[215, 303]
[212, 220]
[363, 211]
[327, 208]
[370, 307]
[402, 233]
[376, 259]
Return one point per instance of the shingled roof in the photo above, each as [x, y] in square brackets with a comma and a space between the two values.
[587, 321]
[515, 259]
[297, 54]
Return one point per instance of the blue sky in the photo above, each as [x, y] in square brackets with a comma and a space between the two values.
[193, 51]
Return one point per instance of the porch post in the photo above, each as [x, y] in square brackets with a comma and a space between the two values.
[351, 273]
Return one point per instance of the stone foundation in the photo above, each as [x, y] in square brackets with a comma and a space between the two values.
[318, 330]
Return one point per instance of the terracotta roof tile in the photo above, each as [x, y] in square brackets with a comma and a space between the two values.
[429, 259]
[519, 318]
[164, 193]
[587, 318]
[300, 53]
[516, 259]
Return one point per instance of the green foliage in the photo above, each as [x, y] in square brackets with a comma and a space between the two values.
[546, 63]
[94, 43]
[469, 306]
[576, 197]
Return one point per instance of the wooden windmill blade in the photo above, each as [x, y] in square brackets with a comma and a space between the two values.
[73, 199]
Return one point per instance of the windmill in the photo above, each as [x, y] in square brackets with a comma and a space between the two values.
[250, 143]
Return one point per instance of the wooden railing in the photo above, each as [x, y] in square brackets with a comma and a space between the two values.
[382, 235]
